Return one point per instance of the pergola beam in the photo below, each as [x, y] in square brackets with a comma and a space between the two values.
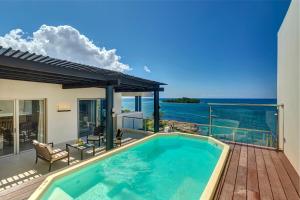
[31, 79]
[14, 53]
[28, 56]
[26, 66]
[18, 73]
[46, 68]
[136, 89]
[135, 82]
[92, 84]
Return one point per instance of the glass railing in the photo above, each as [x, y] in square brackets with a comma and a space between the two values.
[254, 124]
[137, 123]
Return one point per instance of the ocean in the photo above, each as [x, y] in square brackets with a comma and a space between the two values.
[250, 117]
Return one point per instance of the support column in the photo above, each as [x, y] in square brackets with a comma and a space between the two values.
[140, 103]
[109, 117]
[156, 111]
[136, 103]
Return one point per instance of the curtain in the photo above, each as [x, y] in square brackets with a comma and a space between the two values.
[41, 122]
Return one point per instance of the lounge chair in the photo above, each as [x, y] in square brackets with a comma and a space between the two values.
[118, 140]
[98, 135]
[47, 153]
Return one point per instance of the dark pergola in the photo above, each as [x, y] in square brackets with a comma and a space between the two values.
[26, 66]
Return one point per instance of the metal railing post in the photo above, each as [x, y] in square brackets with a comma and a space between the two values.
[280, 127]
[210, 121]
[233, 135]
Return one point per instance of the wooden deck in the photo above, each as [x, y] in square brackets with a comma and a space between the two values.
[256, 173]
[250, 173]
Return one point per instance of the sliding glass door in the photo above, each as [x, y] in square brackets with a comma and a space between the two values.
[91, 114]
[31, 123]
[7, 127]
[21, 122]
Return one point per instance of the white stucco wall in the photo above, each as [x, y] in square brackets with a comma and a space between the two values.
[61, 126]
[142, 94]
[288, 82]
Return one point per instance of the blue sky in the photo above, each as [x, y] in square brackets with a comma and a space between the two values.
[219, 49]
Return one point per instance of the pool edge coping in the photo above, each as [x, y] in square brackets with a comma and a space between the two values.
[214, 179]
[208, 192]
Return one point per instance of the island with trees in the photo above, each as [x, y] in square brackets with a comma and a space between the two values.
[181, 100]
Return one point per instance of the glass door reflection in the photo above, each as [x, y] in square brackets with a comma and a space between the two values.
[31, 123]
[91, 115]
[6, 127]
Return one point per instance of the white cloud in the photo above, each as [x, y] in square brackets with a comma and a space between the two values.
[146, 68]
[64, 42]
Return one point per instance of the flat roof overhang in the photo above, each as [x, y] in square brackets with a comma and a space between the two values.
[25, 66]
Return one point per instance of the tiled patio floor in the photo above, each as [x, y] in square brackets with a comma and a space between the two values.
[20, 171]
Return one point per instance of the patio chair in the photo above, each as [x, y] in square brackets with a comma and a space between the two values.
[98, 135]
[118, 140]
[47, 153]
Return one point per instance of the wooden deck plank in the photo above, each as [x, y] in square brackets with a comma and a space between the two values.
[23, 194]
[294, 176]
[262, 175]
[228, 187]
[222, 180]
[252, 180]
[277, 189]
[286, 182]
[241, 177]
[22, 191]
[250, 173]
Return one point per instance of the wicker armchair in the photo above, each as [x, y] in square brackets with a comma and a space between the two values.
[47, 153]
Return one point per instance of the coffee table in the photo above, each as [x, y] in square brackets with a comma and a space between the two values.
[81, 148]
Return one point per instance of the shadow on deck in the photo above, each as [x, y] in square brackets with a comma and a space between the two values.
[20, 176]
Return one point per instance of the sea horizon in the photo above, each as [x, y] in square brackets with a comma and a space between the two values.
[132, 97]
[199, 112]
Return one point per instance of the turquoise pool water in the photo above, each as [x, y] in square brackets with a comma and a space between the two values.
[163, 167]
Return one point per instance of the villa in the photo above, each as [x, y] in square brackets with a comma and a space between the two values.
[77, 109]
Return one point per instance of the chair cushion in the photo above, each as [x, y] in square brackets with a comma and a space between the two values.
[59, 155]
[94, 137]
[42, 150]
[47, 146]
[35, 144]
[55, 150]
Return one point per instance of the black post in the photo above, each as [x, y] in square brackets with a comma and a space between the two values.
[136, 103]
[156, 111]
[109, 117]
[140, 103]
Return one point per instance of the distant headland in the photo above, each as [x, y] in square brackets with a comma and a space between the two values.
[181, 100]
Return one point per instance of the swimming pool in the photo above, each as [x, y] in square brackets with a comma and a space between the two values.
[162, 166]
